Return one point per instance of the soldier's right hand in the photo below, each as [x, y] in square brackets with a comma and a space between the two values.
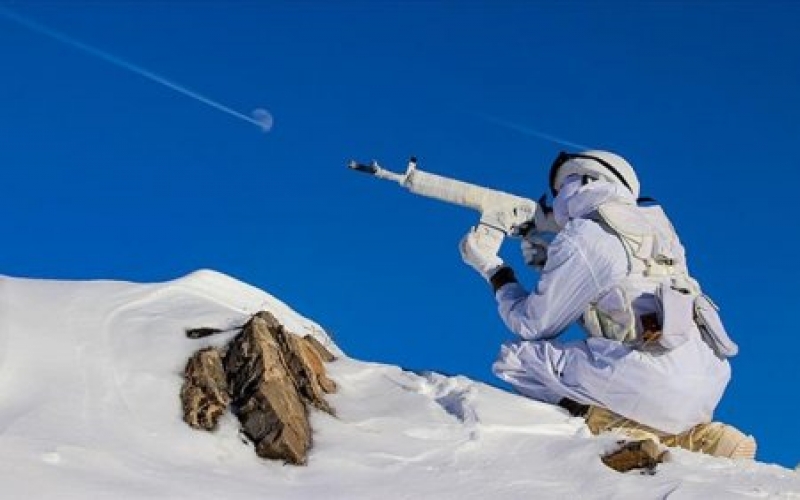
[534, 251]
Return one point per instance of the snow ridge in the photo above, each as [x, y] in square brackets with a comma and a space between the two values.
[90, 375]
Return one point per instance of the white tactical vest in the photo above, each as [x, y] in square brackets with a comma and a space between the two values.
[658, 306]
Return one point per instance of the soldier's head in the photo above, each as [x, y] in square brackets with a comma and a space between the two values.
[593, 165]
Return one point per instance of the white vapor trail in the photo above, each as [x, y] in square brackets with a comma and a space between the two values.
[261, 118]
[535, 133]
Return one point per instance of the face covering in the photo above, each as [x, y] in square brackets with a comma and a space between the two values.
[560, 205]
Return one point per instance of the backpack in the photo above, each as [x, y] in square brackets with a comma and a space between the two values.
[656, 270]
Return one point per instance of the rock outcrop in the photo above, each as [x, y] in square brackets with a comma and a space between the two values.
[268, 377]
[205, 390]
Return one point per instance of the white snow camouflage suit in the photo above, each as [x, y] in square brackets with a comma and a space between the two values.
[670, 391]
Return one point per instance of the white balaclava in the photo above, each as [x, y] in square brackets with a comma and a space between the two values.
[577, 199]
[561, 203]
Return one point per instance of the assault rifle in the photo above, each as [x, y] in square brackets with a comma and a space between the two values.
[502, 214]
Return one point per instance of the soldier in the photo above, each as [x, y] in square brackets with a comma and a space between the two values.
[654, 362]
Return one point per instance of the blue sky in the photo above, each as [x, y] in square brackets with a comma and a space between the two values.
[109, 175]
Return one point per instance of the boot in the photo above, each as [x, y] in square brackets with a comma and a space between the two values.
[717, 439]
[713, 438]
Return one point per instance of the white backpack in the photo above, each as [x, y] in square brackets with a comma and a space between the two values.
[656, 267]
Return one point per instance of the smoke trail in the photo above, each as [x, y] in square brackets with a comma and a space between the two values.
[535, 133]
[261, 118]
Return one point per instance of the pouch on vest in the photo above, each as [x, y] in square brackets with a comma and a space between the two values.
[676, 313]
[612, 317]
[711, 328]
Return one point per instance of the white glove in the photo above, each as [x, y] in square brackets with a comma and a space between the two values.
[479, 249]
[534, 251]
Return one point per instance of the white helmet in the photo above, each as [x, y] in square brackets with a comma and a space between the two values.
[595, 164]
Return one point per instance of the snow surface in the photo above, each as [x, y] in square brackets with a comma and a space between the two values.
[90, 375]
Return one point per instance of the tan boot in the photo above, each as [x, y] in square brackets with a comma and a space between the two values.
[734, 444]
[717, 439]
[714, 438]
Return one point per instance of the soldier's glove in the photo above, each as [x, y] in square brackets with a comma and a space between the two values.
[479, 250]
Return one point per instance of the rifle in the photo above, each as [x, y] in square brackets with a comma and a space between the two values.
[502, 214]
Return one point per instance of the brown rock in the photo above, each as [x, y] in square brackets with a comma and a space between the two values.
[323, 352]
[204, 393]
[266, 400]
[303, 357]
[268, 376]
[315, 360]
[644, 454]
[305, 367]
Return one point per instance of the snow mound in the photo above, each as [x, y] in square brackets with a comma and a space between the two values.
[90, 375]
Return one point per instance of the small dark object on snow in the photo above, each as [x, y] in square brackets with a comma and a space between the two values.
[644, 454]
[198, 333]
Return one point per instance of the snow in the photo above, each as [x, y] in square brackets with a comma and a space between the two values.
[90, 375]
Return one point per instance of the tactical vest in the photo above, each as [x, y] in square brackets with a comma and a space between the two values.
[658, 306]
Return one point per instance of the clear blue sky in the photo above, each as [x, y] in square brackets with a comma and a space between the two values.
[107, 174]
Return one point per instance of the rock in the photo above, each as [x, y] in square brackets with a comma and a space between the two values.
[315, 354]
[322, 351]
[644, 454]
[266, 399]
[269, 376]
[204, 393]
[304, 367]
